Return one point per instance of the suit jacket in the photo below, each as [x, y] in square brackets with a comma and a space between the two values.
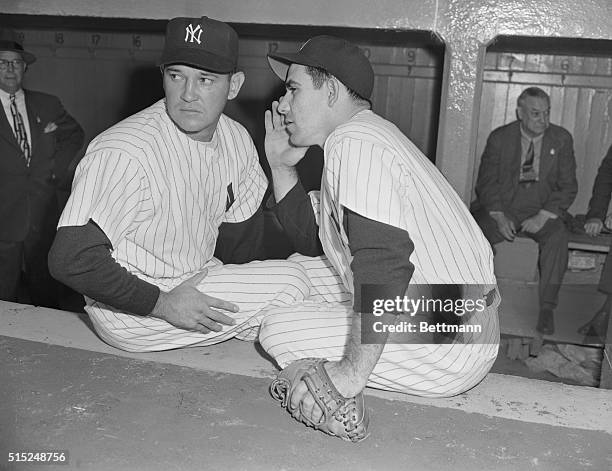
[499, 173]
[602, 188]
[28, 199]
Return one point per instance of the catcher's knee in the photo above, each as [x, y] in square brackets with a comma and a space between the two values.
[271, 330]
[275, 334]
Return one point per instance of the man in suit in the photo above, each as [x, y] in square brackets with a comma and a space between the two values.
[596, 219]
[38, 141]
[526, 182]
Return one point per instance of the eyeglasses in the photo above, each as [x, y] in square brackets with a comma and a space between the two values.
[16, 63]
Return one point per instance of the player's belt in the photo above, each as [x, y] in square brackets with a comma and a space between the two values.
[476, 292]
[490, 296]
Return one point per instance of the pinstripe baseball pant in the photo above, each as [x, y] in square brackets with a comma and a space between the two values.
[255, 287]
[319, 327]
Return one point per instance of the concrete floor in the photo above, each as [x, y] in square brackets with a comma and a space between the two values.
[116, 413]
[209, 408]
[577, 304]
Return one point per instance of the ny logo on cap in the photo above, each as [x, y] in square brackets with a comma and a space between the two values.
[191, 32]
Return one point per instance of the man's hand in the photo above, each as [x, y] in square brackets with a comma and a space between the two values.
[345, 379]
[305, 390]
[505, 226]
[340, 382]
[534, 223]
[282, 155]
[187, 308]
[279, 151]
[594, 226]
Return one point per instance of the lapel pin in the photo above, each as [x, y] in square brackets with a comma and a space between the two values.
[38, 120]
[552, 152]
[50, 127]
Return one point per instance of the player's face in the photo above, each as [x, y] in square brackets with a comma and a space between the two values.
[12, 76]
[304, 108]
[196, 98]
[534, 114]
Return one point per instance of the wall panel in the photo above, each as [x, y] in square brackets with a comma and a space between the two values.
[103, 76]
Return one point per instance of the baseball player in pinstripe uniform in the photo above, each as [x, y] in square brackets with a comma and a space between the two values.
[385, 216]
[158, 194]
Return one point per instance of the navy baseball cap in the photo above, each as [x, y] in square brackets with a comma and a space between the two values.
[9, 42]
[202, 43]
[342, 59]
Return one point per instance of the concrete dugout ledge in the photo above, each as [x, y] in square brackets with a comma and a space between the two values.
[503, 396]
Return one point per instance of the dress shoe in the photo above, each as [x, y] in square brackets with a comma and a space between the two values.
[546, 322]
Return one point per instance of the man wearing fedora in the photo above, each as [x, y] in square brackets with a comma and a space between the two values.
[38, 141]
[158, 195]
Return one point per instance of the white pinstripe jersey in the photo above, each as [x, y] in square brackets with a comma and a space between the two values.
[374, 170]
[160, 196]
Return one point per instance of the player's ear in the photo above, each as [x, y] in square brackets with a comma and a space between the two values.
[236, 81]
[333, 90]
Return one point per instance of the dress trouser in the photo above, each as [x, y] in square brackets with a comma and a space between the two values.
[605, 281]
[552, 240]
[30, 257]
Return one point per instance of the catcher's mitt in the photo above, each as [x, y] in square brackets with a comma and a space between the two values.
[346, 418]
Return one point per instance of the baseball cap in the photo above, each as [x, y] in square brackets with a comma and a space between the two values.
[8, 42]
[203, 43]
[342, 59]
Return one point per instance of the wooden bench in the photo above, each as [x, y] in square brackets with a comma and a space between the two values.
[600, 244]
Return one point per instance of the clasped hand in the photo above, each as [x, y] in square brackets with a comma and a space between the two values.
[505, 226]
[534, 223]
[594, 226]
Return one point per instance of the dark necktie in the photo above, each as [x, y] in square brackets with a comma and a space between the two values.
[20, 131]
[527, 172]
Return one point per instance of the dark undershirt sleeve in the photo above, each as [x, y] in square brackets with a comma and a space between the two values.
[241, 242]
[381, 256]
[81, 258]
[296, 216]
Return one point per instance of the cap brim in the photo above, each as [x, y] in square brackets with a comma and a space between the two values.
[199, 59]
[280, 63]
[27, 57]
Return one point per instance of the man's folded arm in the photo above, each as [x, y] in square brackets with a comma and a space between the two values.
[81, 258]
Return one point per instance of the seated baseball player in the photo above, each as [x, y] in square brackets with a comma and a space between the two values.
[158, 195]
[386, 218]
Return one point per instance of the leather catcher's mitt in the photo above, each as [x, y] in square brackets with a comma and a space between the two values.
[346, 418]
